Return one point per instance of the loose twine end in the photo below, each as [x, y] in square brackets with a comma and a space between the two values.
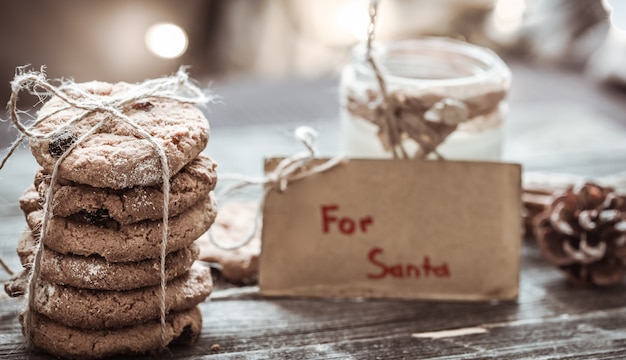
[6, 268]
[178, 87]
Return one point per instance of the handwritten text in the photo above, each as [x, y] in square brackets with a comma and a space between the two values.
[424, 269]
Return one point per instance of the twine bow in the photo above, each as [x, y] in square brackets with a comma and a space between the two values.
[178, 87]
[288, 170]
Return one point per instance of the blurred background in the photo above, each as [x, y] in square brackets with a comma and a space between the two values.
[277, 61]
[135, 39]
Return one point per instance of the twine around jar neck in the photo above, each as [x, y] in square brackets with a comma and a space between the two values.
[426, 119]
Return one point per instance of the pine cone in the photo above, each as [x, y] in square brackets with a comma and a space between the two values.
[583, 232]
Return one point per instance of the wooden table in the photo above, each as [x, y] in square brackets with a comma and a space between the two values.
[559, 122]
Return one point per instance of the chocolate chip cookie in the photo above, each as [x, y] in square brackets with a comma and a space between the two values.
[135, 204]
[123, 243]
[94, 272]
[117, 156]
[73, 343]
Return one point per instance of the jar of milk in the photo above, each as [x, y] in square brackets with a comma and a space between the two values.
[443, 98]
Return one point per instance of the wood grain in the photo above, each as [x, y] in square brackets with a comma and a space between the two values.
[550, 319]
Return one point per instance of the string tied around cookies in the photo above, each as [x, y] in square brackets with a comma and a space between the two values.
[290, 169]
[178, 87]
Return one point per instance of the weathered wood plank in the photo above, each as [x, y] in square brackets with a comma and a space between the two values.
[549, 319]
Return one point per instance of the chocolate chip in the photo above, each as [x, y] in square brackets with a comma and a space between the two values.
[96, 217]
[61, 143]
[99, 217]
[143, 106]
[187, 336]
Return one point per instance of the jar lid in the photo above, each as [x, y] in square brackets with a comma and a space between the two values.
[433, 62]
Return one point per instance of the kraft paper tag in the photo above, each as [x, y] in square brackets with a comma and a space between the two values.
[395, 228]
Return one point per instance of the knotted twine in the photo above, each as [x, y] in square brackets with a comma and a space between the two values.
[288, 170]
[428, 120]
[178, 87]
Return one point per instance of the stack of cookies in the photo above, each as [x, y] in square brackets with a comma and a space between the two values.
[98, 290]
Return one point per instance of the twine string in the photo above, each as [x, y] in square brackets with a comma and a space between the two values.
[288, 170]
[388, 128]
[177, 87]
[6, 267]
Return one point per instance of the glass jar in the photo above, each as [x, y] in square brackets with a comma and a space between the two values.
[426, 71]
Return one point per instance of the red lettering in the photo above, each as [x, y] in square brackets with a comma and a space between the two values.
[426, 266]
[400, 270]
[395, 271]
[326, 219]
[365, 222]
[442, 271]
[346, 225]
[372, 259]
[412, 270]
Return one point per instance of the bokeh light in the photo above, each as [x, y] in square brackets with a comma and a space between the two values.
[166, 40]
[508, 15]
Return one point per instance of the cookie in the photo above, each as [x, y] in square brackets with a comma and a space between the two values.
[233, 223]
[131, 205]
[62, 341]
[96, 273]
[30, 200]
[100, 309]
[123, 243]
[117, 156]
